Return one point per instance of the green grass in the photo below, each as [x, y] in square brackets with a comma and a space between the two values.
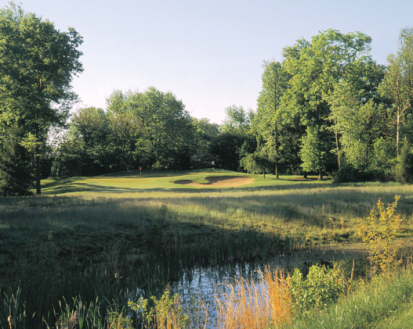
[384, 303]
[132, 181]
[154, 228]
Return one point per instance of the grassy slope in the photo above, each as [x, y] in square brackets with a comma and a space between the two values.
[386, 303]
[131, 181]
[89, 226]
[86, 224]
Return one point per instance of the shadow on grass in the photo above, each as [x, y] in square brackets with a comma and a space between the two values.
[58, 188]
[130, 236]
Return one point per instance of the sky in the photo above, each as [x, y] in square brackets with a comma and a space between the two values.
[209, 54]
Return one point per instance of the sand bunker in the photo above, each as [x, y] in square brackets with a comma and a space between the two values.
[219, 181]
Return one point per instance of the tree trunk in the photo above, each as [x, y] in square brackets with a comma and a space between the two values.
[37, 161]
[397, 133]
[276, 153]
[320, 174]
[263, 175]
[338, 151]
[305, 175]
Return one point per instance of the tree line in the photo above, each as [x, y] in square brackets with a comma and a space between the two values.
[327, 107]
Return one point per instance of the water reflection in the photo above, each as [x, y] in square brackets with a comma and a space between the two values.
[207, 282]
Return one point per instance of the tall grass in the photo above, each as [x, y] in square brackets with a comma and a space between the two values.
[103, 245]
[255, 304]
[379, 304]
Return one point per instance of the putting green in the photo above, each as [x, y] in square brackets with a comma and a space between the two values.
[193, 180]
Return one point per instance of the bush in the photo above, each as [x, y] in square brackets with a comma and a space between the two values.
[378, 232]
[16, 169]
[347, 174]
[321, 287]
[404, 167]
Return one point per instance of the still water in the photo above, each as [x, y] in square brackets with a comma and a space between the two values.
[208, 283]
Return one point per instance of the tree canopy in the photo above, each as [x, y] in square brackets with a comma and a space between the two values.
[37, 65]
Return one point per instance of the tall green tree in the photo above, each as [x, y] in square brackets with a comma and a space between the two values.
[267, 125]
[165, 128]
[16, 169]
[398, 82]
[237, 120]
[204, 134]
[90, 132]
[316, 67]
[37, 65]
[359, 113]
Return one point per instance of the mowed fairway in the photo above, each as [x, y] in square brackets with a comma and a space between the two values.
[133, 181]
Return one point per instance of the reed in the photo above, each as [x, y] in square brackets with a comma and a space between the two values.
[104, 244]
[255, 304]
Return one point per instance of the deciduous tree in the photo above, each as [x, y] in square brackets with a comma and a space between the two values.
[37, 65]
[316, 67]
[398, 82]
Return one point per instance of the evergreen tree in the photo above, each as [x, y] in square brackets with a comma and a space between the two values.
[404, 168]
[16, 169]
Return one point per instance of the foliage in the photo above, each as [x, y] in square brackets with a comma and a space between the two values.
[12, 310]
[100, 232]
[250, 304]
[321, 287]
[267, 125]
[38, 65]
[384, 157]
[204, 134]
[314, 152]
[16, 169]
[378, 232]
[404, 167]
[316, 67]
[68, 158]
[226, 148]
[237, 120]
[250, 164]
[358, 120]
[384, 303]
[149, 130]
[398, 82]
[347, 173]
[165, 312]
[78, 314]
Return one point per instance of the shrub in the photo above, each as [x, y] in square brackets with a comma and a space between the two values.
[321, 287]
[165, 312]
[16, 170]
[378, 232]
[404, 167]
[348, 173]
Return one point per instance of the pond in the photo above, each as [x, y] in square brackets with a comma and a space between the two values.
[205, 284]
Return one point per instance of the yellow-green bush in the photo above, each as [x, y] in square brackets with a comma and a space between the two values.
[378, 232]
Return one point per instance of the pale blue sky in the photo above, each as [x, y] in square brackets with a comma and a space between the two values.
[208, 53]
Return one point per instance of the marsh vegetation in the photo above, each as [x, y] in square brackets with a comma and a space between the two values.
[111, 248]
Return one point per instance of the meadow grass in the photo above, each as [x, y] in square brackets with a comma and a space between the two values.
[385, 302]
[92, 240]
[250, 304]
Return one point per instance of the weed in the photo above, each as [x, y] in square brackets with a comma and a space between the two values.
[165, 312]
[378, 232]
[321, 287]
[163, 210]
[255, 305]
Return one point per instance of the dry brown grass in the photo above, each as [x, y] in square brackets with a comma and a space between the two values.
[255, 305]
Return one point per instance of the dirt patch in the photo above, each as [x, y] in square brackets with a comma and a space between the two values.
[219, 181]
